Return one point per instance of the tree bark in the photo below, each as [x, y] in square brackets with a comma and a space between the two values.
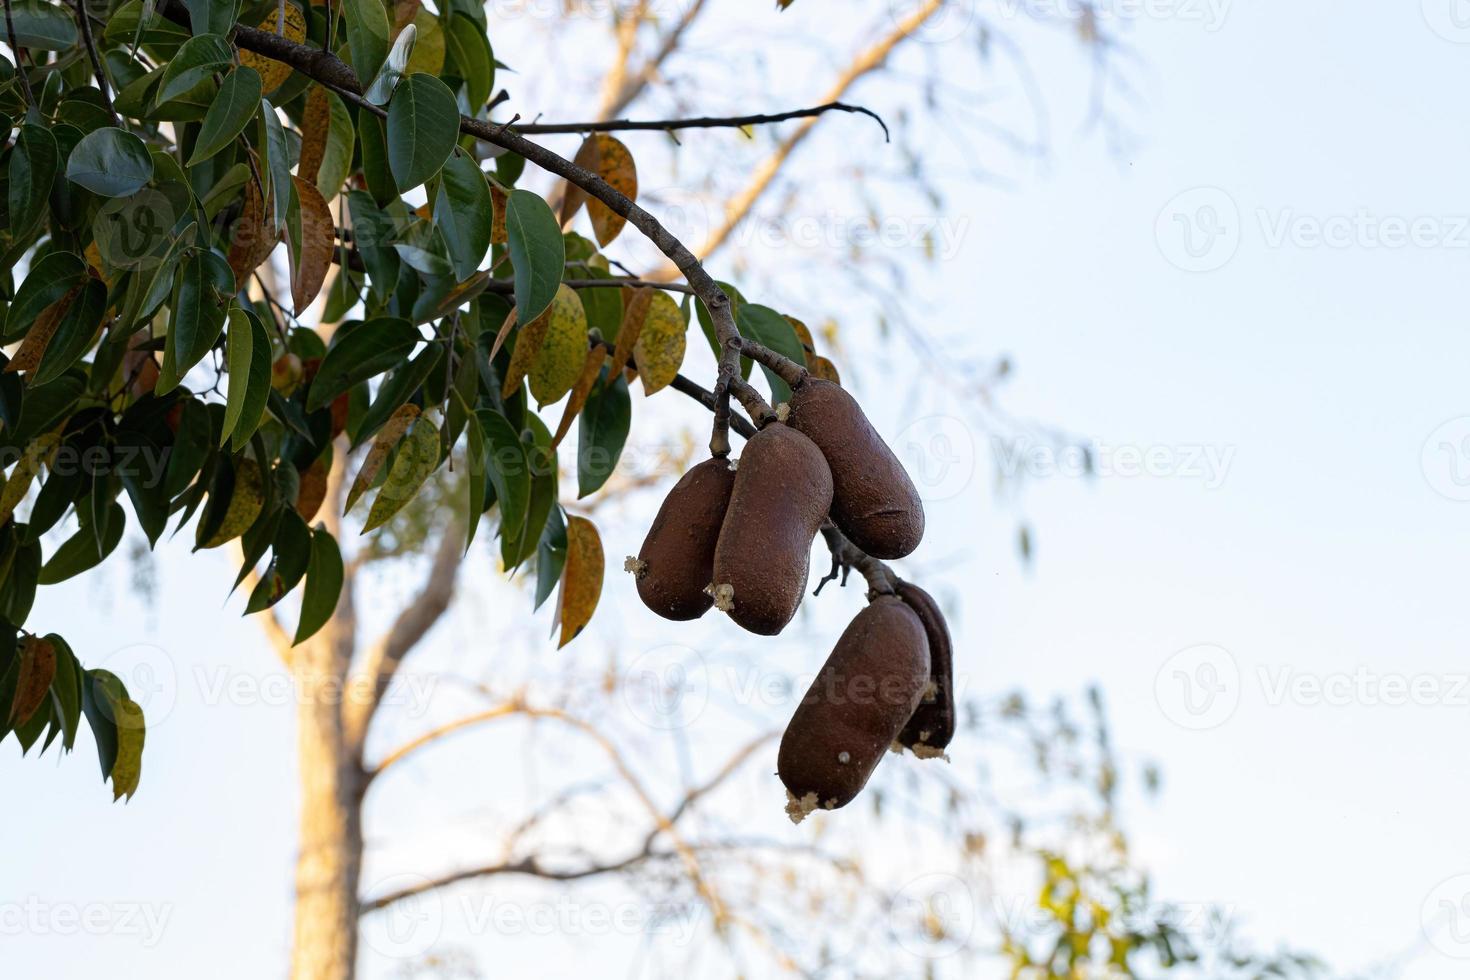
[330, 858]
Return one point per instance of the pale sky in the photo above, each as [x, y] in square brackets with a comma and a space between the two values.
[1255, 311]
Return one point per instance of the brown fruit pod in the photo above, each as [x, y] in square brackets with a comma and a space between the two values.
[677, 559]
[931, 728]
[865, 692]
[874, 503]
[783, 490]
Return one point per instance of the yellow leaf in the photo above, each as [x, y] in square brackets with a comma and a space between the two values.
[563, 349]
[318, 238]
[528, 345]
[273, 72]
[244, 507]
[659, 352]
[499, 200]
[313, 488]
[581, 579]
[129, 764]
[386, 438]
[804, 335]
[37, 453]
[428, 48]
[614, 165]
[825, 370]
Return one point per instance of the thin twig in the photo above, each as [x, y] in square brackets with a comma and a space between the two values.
[25, 82]
[697, 122]
[86, 26]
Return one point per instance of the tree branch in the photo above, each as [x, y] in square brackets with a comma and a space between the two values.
[696, 122]
[619, 89]
[86, 27]
[413, 623]
[866, 62]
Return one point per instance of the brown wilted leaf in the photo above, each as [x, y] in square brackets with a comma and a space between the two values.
[581, 579]
[37, 668]
[528, 345]
[316, 125]
[318, 238]
[38, 337]
[591, 367]
[635, 311]
[587, 158]
[502, 333]
[313, 489]
[614, 165]
[253, 238]
[383, 442]
[804, 335]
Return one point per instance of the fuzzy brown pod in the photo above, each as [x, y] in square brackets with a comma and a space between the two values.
[874, 503]
[676, 563]
[782, 492]
[931, 728]
[865, 692]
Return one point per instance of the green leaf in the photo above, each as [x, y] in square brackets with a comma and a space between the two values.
[258, 389]
[423, 126]
[239, 349]
[212, 16]
[233, 107]
[196, 60]
[473, 59]
[323, 584]
[774, 331]
[396, 390]
[43, 26]
[463, 212]
[290, 555]
[551, 555]
[75, 334]
[337, 157]
[110, 162]
[82, 550]
[418, 456]
[358, 353]
[387, 78]
[48, 280]
[507, 468]
[205, 285]
[99, 689]
[67, 688]
[33, 164]
[537, 253]
[602, 431]
[367, 35]
[279, 161]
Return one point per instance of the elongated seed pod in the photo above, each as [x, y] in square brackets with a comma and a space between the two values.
[858, 703]
[783, 490]
[874, 503]
[677, 559]
[931, 728]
